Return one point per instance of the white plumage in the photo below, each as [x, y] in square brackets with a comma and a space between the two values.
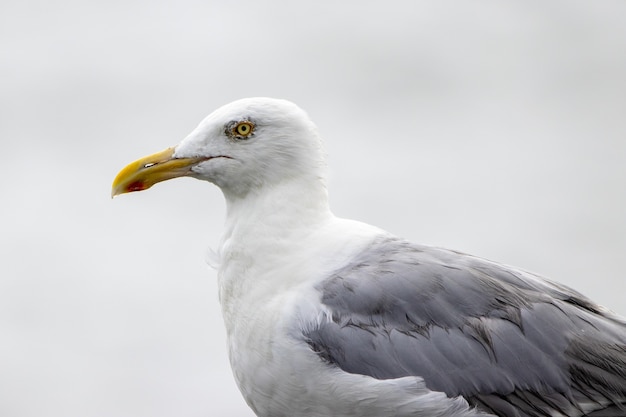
[332, 317]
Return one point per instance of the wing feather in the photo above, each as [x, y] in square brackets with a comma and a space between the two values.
[508, 341]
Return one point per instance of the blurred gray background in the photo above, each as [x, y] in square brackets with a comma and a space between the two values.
[495, 128]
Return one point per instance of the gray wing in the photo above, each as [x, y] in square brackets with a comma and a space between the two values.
[511, 343]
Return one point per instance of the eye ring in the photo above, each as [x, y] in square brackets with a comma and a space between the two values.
[243, 129]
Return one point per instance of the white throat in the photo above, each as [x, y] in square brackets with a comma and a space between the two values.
[262, 229]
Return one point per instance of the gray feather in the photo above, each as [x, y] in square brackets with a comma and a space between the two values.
[508, 341]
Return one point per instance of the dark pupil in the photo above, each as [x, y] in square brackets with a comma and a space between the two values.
[243, 128]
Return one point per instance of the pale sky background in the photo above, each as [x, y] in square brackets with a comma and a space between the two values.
[493, 127]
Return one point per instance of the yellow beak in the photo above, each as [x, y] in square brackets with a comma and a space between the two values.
[145, 172]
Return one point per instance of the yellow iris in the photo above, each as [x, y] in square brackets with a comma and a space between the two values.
[243, 129]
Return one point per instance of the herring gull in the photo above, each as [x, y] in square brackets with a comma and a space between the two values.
[333, 317]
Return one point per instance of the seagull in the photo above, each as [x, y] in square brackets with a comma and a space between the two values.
[332, 317]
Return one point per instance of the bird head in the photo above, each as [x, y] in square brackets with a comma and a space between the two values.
[243, 146]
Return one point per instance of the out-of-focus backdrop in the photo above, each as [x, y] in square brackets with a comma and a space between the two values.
[494, 128]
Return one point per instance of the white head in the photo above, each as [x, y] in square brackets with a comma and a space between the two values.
[244, 146]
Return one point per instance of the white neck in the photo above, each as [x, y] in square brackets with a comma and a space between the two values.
[262, 230]
[281, 210]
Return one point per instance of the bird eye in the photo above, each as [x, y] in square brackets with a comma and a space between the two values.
[243, 129]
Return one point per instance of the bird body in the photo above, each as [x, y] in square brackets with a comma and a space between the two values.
[268, 317]
[333, 317]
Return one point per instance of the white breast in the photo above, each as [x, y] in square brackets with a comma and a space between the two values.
[269, 296]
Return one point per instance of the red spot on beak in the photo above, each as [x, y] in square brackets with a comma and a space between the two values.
[136, 186]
